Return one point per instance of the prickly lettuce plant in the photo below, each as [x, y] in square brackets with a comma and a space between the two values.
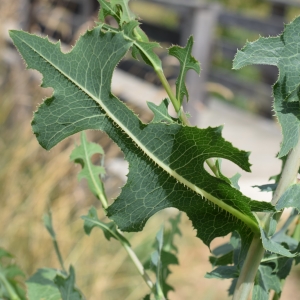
[167, 156]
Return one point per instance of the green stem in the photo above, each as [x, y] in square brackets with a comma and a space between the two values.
[167, 88]
[125, 244]
[138, 264]
[256, 250]
[9, 289]
[210, 162]
[289, 173]
[245, 281]
[58, 254]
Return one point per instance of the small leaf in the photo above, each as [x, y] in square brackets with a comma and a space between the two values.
[142, 47]
[260, 291]
[290, 198]
[126, 15]
[270, 187]
[106, 9]
[162, 258]
[41, 286]
[161, 112]
[232, 287]
[4, 253]
[170, 234]
[271, 280]
[48, 224]
[223, 272]
[12, 271]
[67, 287]
[187, 62]
[233, 181]
[82, 155]
[271, 245]
[109, 229]
[223, 249]
[226, 259]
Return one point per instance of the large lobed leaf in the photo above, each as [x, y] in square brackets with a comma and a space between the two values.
[166, 162]
[281, 51]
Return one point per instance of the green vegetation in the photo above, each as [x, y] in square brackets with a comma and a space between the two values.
[166, 159]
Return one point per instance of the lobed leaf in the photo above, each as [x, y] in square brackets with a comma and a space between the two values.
[273, 246]
[66, 286]
[166, 162]
[82, 155]
[41, 286]
[281, 51]
[187, 62]
[290, 198]
[161, 112]
[109, 229]
[223, 272]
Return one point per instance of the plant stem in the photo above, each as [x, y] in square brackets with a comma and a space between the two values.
[289, 173]
[168, 89]
[249, 269]
[9, 289]
[58, 254]
[126, 246]
[256, 250]
[210, 162]
[138, 264]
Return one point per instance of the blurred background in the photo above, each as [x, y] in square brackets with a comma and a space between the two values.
[31, 179]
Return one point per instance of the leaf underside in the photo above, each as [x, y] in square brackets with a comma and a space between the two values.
[281, 51]
[165, 161]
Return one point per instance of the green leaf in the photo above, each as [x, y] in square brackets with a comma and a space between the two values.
[290, 198]
[259, 206]
[271, 280]
[106, 9]
[48, 224]
[274, 247]
[67, 287]
[4, 253]
[165, 254]
[187, 62]
[260, 291]
[142, 47]
[161, 112]
[157, 266]
[233, 181]
[270, 187]
[169, 234]
[223, 272]
[11, 278]
[109, 229]
[12, 271]
[126, 14]
[281, 51]
[223, 260]
[166, 162]
[41, 286]
[82, 155]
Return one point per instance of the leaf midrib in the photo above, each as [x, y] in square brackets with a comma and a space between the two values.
[239, 215]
